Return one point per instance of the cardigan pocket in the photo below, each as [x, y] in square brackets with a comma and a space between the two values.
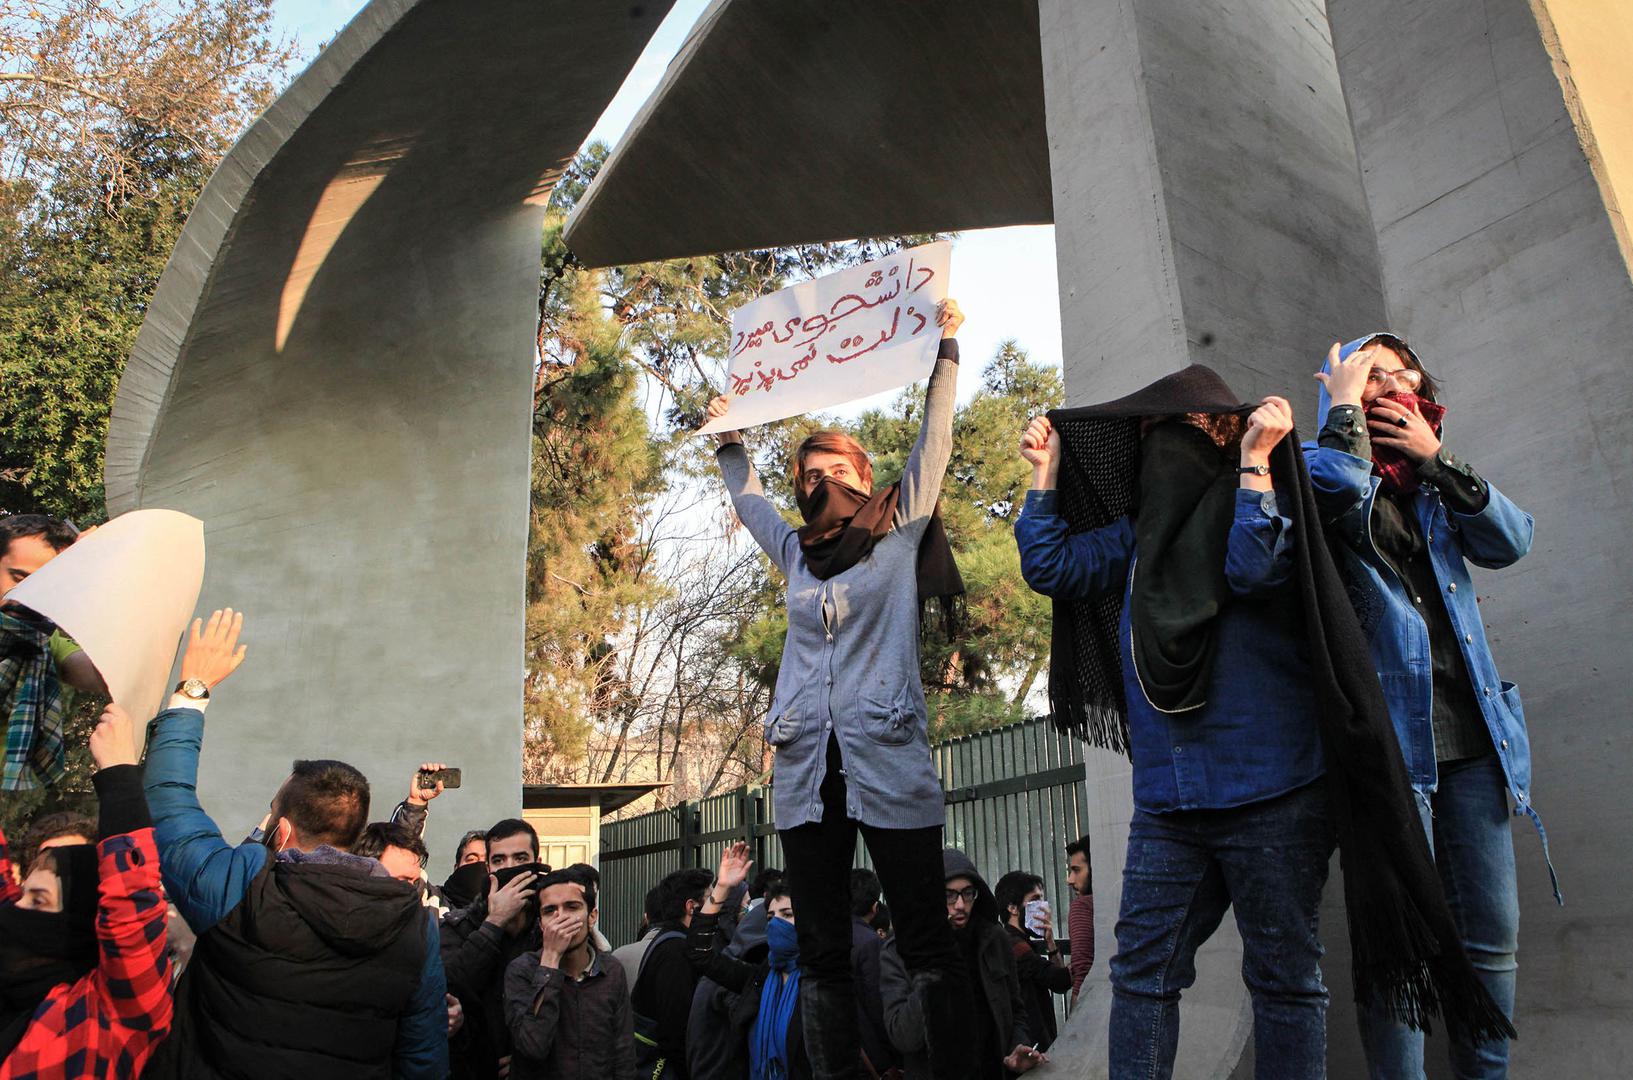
[788, 723]
[888, 718]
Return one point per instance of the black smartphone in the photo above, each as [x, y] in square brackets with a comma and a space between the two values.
[449, 778]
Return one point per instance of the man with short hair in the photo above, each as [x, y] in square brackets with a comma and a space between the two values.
[480, 941]
[40, 666]
[565, 1006]
[396, 848]
[1080, 917]
[311, 961]
[665, 981]
[866, 949]
[989, 974]
[1038, 963]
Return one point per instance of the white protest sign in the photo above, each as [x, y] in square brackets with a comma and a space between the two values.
[841, 337]
[125, 593]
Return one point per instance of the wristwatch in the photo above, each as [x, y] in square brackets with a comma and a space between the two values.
[197, 689]
[1255, 470]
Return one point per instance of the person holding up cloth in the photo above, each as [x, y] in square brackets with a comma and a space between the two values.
[848, 719]
[1201, 627]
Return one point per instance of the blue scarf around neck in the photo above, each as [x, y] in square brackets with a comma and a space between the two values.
[768, 1039]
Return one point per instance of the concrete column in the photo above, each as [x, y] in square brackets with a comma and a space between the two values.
[1207, 209]
[1491, 164]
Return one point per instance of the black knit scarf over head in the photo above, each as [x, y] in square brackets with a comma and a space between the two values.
[1407, 956]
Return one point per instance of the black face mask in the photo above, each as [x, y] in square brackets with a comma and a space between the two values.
[466, 885]
[43, 949]
[509, 873]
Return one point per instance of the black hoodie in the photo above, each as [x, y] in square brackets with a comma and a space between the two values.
[992, 979]
[307, 976]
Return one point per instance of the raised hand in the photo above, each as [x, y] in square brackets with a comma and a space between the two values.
[1346, 380]
[1268, 425]
[717, 409]
[213, 651]
[1040, 447]
[113, 742]
[949, 317]
[419, 793]
[734, 866]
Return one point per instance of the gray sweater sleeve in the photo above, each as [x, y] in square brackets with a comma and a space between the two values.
[754, 510]
[927, 464]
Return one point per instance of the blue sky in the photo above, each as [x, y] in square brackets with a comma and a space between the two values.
[1003, 278]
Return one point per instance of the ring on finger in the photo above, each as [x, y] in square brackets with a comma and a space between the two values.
[1400, 421]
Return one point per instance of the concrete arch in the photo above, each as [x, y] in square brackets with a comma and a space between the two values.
[335, 376]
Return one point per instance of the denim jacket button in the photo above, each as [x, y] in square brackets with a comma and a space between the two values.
[1487, 690]
[1522, 796]
[1468, 637]
[1179, 749]
[1452, 587]
[1504, 744]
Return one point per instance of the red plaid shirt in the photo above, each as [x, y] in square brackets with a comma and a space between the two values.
[108, 1022]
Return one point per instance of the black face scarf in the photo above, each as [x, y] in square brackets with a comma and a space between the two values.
[842, 525]
[1407, 956]
[40, 950]
[466, 885]
[1187, 501]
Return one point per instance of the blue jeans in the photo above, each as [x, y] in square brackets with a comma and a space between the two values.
[1466, 820]
[1269, 859]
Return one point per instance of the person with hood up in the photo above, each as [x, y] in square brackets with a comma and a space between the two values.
[1201, 627]
[848, 719]
[311, 962]
[765, 1013]
[1000, 1042]
[84, 963]
[1407, 517]
[715, 1049]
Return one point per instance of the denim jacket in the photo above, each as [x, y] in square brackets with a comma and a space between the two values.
[1497, 536]
[1256, 737]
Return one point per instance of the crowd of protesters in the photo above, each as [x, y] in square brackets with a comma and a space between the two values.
[1283, 639]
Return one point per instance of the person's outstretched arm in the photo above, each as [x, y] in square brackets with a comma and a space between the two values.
[204, 875]
[1259, 550]
[133, 972]
[927, 464]
[1055, 562]
[762, 520]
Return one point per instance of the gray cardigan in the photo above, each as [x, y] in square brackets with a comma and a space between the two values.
[850, 663]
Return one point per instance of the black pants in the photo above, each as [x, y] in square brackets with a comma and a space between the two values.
[910, 869]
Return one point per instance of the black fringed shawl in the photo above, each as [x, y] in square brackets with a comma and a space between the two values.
[1407, 956]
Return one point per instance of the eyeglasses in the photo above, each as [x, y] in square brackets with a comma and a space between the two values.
[1405, 378]
[967, 894]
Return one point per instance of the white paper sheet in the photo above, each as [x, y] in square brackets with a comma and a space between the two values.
[838, 338]
[125, 593]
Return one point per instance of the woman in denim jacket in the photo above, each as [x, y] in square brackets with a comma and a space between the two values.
[1406, 517]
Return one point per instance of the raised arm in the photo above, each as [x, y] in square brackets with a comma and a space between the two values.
[774, 535]
[1054, 561]
[927, 464]
[133, 972]
[205, 876]
[702, 937]
[1259, 552]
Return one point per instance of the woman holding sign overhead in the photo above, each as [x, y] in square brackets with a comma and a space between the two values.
[848, 718]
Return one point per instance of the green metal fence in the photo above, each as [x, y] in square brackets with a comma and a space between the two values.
[1015, 797]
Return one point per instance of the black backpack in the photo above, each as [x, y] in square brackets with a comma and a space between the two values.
[649, 1059]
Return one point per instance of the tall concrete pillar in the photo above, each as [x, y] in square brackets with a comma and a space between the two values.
[1207, 209]
[1494, 136]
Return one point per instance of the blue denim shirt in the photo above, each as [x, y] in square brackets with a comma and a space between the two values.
[206, 877]
[1256, 737]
